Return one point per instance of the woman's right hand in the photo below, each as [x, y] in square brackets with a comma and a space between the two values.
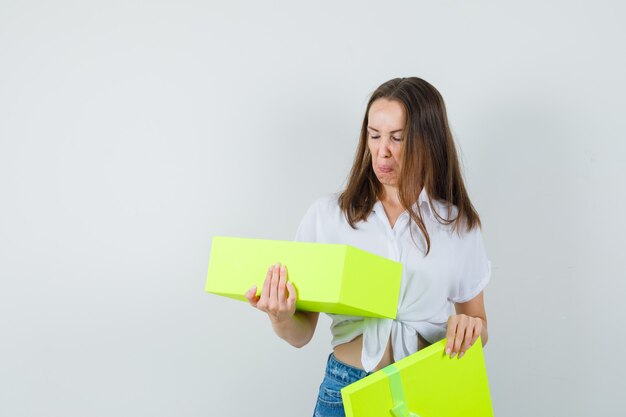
[274, 299]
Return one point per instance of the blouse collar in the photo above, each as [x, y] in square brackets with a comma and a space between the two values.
[422, 201]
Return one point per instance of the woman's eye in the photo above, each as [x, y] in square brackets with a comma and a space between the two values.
[397, 139]
[374, 137]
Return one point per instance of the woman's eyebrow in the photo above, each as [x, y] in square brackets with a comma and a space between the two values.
[376, 130]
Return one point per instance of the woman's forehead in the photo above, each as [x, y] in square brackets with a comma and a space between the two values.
[386, 115]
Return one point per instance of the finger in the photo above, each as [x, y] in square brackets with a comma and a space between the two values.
[262, 305]
[282, 297]
[452, 324]
[478, 329]
[251, 296]
[460, 333]
[467, 341]
[291, 301]
[273, 299]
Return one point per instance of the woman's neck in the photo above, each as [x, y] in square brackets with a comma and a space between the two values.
[390, 197]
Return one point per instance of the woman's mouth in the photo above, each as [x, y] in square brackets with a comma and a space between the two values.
[385, 170]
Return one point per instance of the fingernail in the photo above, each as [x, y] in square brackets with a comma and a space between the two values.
[452, 356]
[282, 268]
[461, 355]
[447, 351]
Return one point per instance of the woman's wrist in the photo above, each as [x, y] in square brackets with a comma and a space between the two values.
[294, 330]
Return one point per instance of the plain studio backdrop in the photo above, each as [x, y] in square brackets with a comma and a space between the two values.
[133, 132]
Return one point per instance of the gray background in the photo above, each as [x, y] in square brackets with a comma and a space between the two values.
[132, 132]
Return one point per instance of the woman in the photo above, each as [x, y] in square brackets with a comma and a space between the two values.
[405, 200]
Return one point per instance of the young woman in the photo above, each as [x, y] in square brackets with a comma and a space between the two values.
[405, 200]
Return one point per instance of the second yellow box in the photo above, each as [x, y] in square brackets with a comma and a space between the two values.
[427, 383]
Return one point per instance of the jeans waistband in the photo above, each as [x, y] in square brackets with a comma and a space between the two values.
[342, 372]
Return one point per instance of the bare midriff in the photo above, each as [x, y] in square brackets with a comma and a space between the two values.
[350, 352]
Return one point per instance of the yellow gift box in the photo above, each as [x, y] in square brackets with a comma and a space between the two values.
[330, 278]
[426, 384]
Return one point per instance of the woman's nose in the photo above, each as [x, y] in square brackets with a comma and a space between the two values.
[385, 149]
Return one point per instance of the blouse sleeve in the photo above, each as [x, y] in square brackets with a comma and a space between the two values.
[475, 268]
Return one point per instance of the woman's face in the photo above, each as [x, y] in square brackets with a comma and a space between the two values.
[386, 120]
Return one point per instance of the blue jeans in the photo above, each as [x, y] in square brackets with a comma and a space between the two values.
[337, 376]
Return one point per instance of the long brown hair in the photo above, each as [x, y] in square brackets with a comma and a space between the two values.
[430, 160]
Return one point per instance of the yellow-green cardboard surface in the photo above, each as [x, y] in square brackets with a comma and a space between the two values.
[330, 278]
[434, 385]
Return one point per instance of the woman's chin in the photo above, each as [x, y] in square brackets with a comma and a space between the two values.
[385, 180]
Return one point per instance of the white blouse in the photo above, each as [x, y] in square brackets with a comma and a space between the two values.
[455, 271]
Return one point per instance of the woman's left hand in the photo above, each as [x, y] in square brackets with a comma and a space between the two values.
[463, 331]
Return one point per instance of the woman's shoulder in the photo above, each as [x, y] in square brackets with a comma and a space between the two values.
[445, 216]
[326, 202]
[322, 208]
[442, 211]
[316, 218]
